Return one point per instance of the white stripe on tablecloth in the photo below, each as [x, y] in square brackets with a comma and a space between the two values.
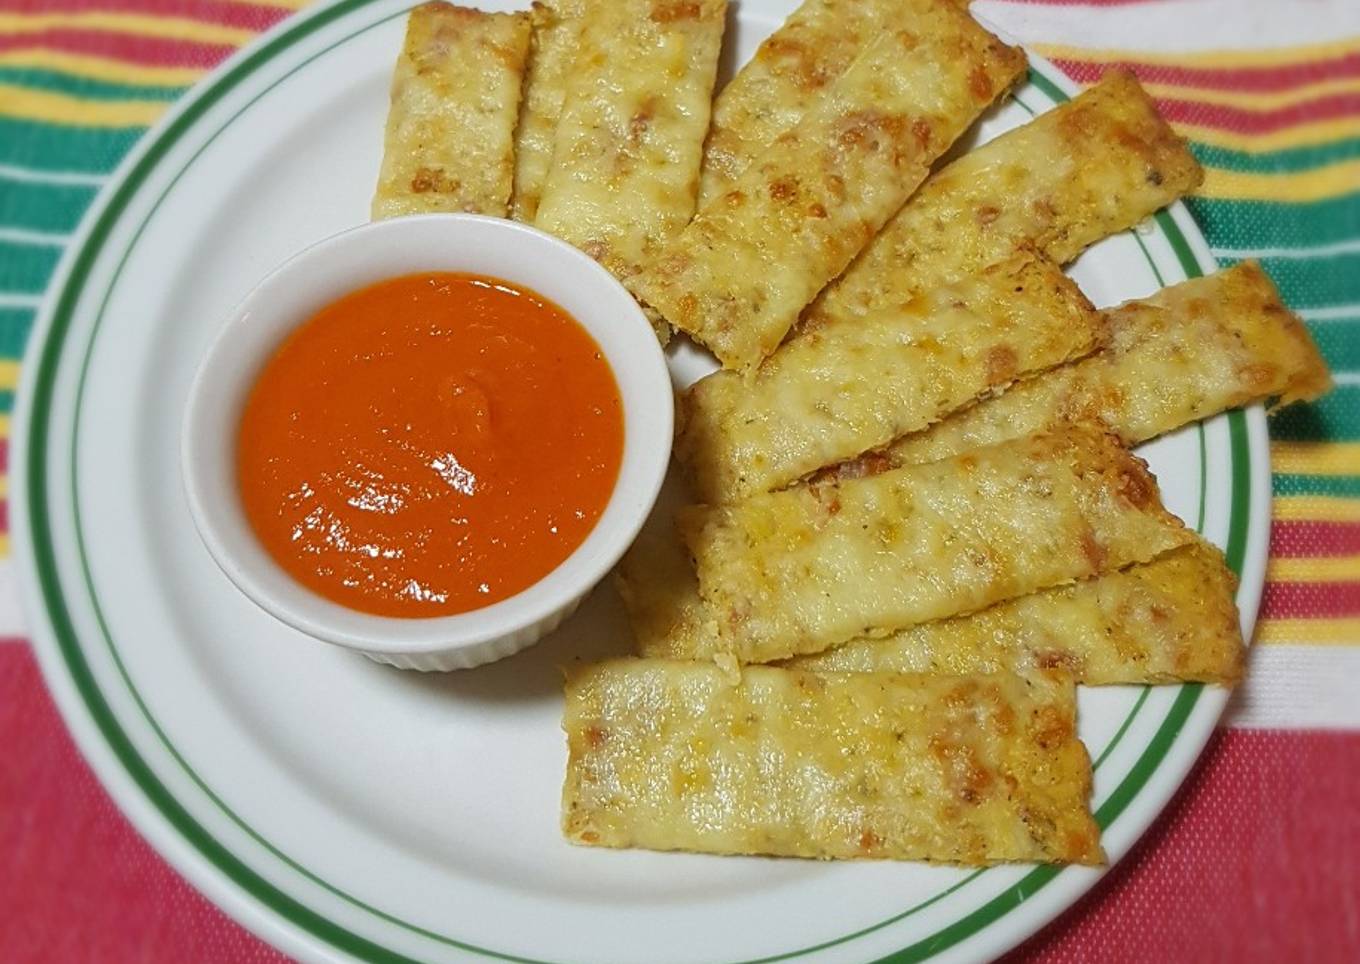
[35, 175]
[1348, 312]
[1348, 246]
[1198, 24]
[1298, 687]
[11, 614]
[46, 239]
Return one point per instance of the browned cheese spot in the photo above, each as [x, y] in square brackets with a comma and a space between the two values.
[1052, 728]
[987, 214]
[801, 64]
[596, 736]
[920, 129]
[784, 188]
[640, 122]
[1135, 484]
[1259, 377]
[967, 776]
[862, 128]
[433, 179]
[675, 10]
[980, 83]
[1002, 365]
[1058, 659]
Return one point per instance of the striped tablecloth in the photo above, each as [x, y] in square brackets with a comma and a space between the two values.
[1258, 858]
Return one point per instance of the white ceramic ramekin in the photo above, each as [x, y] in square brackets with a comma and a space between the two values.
[341, 264]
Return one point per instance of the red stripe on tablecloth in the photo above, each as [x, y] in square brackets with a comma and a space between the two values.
[1245, 121]
[1241, 79]
[1311, 600]
[1304, 538]
[251, 16]
[135, 48]
[4, 515]
[76, 881]
[1206, 884]
[1257, 860]
[4, 455]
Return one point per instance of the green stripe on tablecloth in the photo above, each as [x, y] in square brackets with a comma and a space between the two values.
[1333, 418]
[84, 87]
[25, 268]
[1276, 162]
[57, 147]
[1313, 282]
[15, 324]
[1257, 224]
[1337, 486]
[43, 207]
[1339, 342]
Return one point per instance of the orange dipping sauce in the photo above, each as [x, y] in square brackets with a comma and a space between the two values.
[430, 445]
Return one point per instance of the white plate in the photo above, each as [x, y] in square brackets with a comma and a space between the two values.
[345, 810]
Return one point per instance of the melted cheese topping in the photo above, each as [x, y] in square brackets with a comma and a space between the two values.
[1086, 169]
[556, 38]
[1191, 351]
[1168, 621]
[971, 770]
[455, 98]
[789, 71]
[737, 277]
[832, 395]
[625, 166]
[806, 569]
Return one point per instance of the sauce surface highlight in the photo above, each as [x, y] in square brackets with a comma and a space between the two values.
[430, 445]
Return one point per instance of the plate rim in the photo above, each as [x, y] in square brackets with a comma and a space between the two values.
[141, 795]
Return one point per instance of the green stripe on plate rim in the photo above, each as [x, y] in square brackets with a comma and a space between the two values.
[290, 909]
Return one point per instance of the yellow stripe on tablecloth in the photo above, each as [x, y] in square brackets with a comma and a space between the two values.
[1335, 632]
[54, 108]
[1315, 508]
[1314, 569]
[1316, 184]
[1255, 100]
[102, 68]
[278, 4]
[1266, 57]
[9, 374]
[146, 25]
[1315, 458]
[1302, 135]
